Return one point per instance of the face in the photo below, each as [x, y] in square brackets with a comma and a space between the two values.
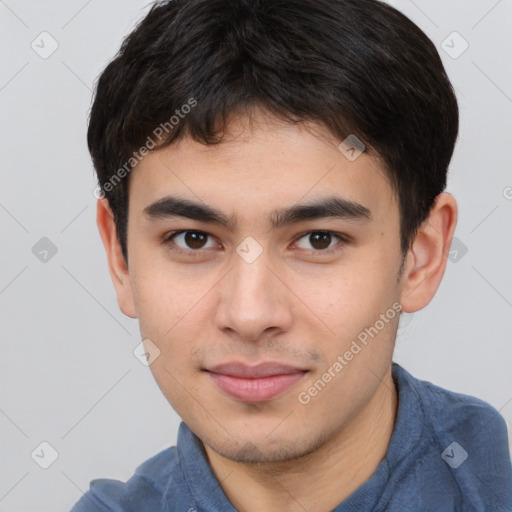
[254, 305]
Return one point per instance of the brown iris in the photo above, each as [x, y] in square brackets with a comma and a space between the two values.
[195, 239]
[320, 239]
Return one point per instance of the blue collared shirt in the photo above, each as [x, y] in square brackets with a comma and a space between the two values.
[448, 452]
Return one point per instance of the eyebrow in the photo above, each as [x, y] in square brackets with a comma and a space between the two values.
[322, 208]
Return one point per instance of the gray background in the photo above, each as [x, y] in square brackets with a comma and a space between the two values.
[68, 373]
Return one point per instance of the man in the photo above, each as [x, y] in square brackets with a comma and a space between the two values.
[273, 175]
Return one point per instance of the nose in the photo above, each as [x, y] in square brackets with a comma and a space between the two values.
[254, 301]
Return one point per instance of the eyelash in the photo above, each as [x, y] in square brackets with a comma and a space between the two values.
[343, 239]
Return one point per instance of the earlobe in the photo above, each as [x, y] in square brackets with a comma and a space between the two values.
[116, 263]
[427, 257]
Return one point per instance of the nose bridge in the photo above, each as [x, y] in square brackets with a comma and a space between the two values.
[253, 298]
[251, 280]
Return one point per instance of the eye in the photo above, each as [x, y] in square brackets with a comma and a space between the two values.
[188, 240]
[194, 243]
[321, 241]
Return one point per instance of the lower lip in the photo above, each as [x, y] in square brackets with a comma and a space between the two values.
[255, 390]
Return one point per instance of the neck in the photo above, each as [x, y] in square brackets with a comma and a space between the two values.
[321, 480]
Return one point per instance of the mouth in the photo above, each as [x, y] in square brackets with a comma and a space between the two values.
[254, 384]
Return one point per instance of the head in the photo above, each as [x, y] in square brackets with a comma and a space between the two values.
[273, 174]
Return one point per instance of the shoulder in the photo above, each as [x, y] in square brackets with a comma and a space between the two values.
[468, 448]
[145, 490]
[452, 412]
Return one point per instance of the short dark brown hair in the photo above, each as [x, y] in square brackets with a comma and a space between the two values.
[355, 66]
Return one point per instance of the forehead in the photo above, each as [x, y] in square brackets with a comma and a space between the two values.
[260, 164]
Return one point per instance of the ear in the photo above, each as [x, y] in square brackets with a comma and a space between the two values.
[116, 263]
[427, 257]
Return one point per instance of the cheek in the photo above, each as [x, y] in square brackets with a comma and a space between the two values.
[356, 294]
[162, 295]
[171, 314]
[352, 307]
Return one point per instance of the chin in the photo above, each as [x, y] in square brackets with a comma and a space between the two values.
[261, 449]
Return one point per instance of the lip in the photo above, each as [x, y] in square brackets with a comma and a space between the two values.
[258, 383]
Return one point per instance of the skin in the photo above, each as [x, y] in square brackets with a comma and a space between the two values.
[294, 304]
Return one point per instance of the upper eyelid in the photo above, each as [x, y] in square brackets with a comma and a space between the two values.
[169, 236]
[341, 237]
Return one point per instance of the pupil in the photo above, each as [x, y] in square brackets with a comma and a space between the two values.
[323, 238]
[192, 239]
